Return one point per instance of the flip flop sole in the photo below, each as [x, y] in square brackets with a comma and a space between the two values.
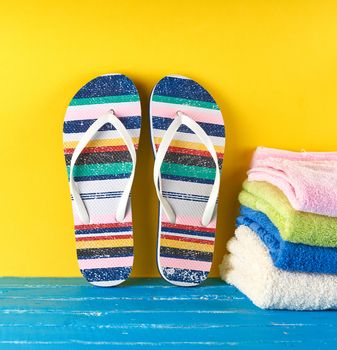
[104, 247]
[185, 248]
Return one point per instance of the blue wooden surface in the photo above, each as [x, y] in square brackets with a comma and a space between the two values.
[46, 313]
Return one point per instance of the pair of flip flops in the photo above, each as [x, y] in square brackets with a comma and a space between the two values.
[101, 134]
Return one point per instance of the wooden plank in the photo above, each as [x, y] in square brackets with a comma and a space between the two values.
[61, 313]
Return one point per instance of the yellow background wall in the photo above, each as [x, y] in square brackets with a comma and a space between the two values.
[271, 65]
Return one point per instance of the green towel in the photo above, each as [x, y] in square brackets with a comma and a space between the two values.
[294, 226]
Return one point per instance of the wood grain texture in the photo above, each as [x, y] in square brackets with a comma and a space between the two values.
[67, 313]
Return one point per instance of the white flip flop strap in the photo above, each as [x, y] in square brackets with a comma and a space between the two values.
[79, 204]
[181, 119]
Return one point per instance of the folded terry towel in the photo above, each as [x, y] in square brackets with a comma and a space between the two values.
[250, 269]
[309, 180]
[262, 153]
[286, 255]
[294, 226]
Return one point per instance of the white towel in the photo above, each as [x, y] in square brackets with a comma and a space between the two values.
[249, 267]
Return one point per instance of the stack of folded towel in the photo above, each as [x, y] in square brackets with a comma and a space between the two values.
[284, 253]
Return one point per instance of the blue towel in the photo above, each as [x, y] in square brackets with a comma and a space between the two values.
[286, 255]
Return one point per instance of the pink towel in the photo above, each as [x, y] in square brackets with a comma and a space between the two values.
[308, 179]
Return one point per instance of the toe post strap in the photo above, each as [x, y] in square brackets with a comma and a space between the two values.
[108, 118]
[183, 119]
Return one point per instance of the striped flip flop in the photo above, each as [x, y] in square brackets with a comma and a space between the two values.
[188, 139]
[100, 134]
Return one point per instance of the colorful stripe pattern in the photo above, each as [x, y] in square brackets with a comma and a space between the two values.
[185, 249]
[104, 247]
